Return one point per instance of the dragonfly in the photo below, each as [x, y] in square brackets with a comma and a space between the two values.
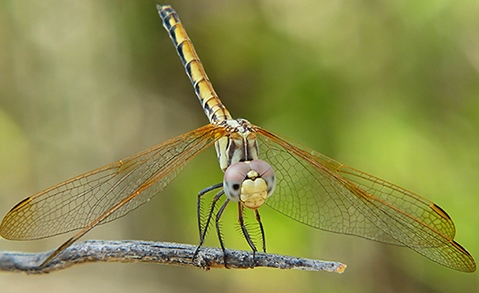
[260, 168]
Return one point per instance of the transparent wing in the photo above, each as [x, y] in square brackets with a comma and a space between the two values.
[318, 191]
[107, 193]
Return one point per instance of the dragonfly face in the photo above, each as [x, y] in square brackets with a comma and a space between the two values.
[250, 183]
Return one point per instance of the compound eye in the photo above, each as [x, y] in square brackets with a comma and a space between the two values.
[233, 179]
[265, 171]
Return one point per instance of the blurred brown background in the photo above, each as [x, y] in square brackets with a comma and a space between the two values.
[390, 88]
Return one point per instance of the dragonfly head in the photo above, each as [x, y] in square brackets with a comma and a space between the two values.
[249, 182]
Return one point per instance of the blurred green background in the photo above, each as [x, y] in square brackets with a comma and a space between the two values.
[388, 87]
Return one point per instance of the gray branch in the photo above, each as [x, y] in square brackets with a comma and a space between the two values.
[156, 252]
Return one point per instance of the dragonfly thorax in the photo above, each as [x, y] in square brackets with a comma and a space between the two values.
[238, 145]
[250, 182]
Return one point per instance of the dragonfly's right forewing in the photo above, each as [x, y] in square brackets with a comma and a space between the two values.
[109, 192]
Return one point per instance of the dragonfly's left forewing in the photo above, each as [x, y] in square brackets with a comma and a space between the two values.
[323, 193]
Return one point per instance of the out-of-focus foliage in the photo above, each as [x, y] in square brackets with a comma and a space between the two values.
[385, 86]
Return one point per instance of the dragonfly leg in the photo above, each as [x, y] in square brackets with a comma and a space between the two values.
[210, 188]
[245, 231]
[218, 230]
[258, 219]
[204, 229]
[198, 207]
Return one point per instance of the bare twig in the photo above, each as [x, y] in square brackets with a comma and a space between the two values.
[156, 252]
